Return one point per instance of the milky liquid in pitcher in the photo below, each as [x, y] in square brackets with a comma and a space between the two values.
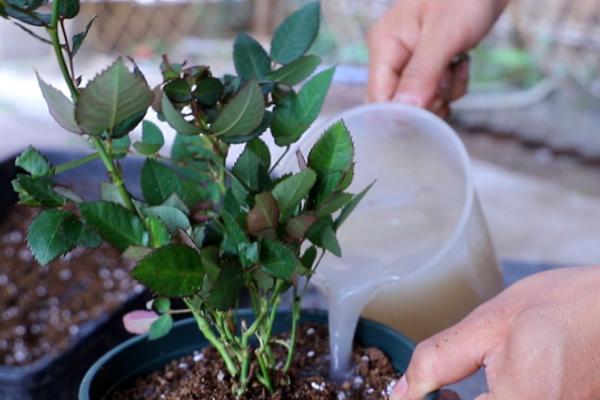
[389, 242]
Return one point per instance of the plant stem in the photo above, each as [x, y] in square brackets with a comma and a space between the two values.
[114, 173]
[210, 336]
[68, 47]
[281, 157]
[265, 379]
[293, 333]
[75, 163]
[53, 32]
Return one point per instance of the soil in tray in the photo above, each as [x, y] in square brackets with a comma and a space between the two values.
[43, 308]
[203, 375]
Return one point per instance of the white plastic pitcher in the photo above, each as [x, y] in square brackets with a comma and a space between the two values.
[417, 254]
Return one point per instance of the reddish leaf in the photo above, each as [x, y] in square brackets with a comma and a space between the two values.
[262, 219]
[139, 321]
[296, 227]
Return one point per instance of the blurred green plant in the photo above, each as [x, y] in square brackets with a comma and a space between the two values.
[202, 231]
[500, 67]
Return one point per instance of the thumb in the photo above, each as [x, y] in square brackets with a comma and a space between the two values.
[446, 358]
[422, 74]
[486, 396]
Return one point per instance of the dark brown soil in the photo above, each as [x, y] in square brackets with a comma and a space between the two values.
[203, 376]
[43, 308]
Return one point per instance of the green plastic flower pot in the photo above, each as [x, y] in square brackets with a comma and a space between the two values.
[138, 356]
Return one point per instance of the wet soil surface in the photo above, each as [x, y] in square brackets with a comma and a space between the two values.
[203, 375]
[42, 309]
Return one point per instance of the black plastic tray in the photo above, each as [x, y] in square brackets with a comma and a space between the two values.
[57, 377]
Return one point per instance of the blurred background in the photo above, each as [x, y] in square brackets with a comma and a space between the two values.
[531, 121]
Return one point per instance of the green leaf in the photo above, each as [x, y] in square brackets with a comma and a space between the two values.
[251, 172]
[347, 179]
[250, 59]
[208, 91]
[68, 8]
[235, 236]
[109, 192]
[333, 203]
[309, 257]
[296, 34]
[170, 71]
[174, 270]
[333, 152]
[226, 290]
[264, 125]
[159, 182]
[152, 139]
[159, 234]
[262, 220]
[79, 38]
[172, 217]
[347, 210]
[136, 253]
[28, 17]
[88, 238]
[175, 201]
[290, 191]
[242, 114]
[176, 120]
[68, 194]
[123, 128]
[162, 305]
[115, 224]
[259, 148]
[292, 118]
[297, 71]
[37, 190]
[120, 146]
[278, 260]
[112, 97]
[186, 148]
[161, 327]
[249, 254]
[51, 234]
[34, 162]
[210, 261]
[297, 227]
[59, 106]
[329, 241]
[178, 91]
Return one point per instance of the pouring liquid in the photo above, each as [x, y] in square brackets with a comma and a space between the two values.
[391, 241]
[416, 252]
[350, 282]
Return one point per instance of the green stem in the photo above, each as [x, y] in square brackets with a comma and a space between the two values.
[53, 31]
[56, 45]
[260, 318]
[210, 336]
[114, 174]
[293, 333]
[281, 157]
[263, 377]
[75, 163]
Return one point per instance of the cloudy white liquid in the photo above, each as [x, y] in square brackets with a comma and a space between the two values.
[416, 252]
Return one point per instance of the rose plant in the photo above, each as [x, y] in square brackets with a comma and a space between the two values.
[203, 231]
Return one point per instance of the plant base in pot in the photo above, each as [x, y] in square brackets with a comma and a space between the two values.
[138, 357]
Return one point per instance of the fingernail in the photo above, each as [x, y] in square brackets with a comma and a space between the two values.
[408, 98]
[400, 389]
